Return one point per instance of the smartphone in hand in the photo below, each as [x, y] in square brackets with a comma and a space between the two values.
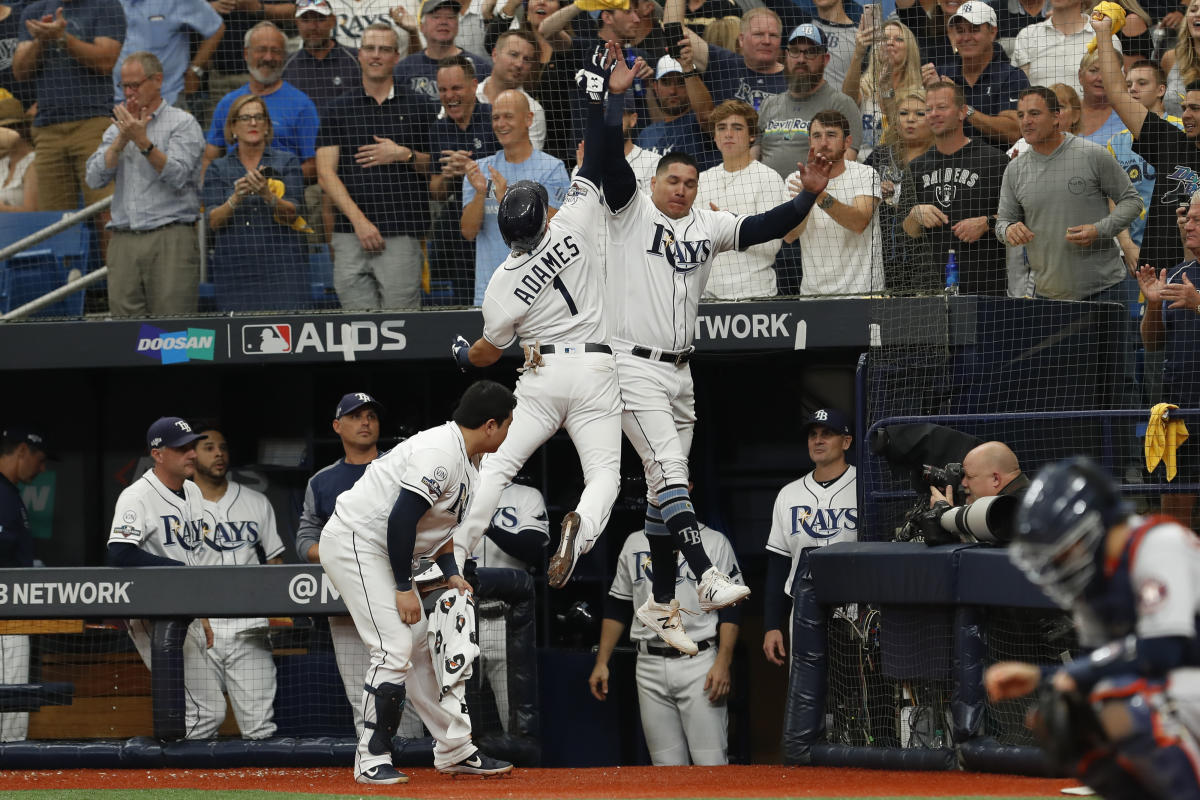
[674, 35]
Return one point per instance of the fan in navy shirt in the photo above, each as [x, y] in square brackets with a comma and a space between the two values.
[680, 129]
[462, 133]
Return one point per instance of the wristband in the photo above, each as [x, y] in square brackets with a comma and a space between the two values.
[404, 584]
[447, 564]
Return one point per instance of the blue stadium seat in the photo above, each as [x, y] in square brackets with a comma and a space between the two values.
[44, 267]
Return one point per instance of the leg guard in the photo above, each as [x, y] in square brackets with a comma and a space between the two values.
[389, 703]
[1157, 751]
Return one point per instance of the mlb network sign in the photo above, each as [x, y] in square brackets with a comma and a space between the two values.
[176, 347]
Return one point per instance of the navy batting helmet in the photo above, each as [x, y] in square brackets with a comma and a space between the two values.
[523, 214]
[1061, 525]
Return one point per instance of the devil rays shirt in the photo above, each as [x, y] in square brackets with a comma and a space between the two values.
[1176, 162]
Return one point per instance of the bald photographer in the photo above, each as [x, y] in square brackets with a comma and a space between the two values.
[990, 483]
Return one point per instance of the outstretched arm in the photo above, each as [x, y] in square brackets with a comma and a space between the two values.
[592, 79]
[775, 223]
[1131, 112]
[619, 181]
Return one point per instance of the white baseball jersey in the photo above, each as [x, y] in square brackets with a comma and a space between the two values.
[658, 268]
[521, 508]
[643, 163]
[157, 520]
[233, 525]
[555, 293]
[807, 514]
[434, 465]
[633, 581]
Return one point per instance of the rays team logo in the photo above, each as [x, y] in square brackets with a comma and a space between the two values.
[1186, 182]
[683, 256]
[266, 339]
[823, 523]
[176, 347]
[644, 569]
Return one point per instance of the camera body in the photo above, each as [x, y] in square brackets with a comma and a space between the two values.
[950, 475]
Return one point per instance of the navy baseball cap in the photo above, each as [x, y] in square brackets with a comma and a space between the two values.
[830, 418]
[808, 31]
[171, 432]
[17, 434]
[353, 401]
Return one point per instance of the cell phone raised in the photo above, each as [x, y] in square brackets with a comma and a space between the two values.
[673, 32]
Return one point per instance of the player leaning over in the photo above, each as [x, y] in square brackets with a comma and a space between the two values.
[660, 253]
[549, 294]
[407, 505]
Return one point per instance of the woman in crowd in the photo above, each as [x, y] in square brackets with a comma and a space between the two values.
[250, 197]
[551, 80]
[1182, 64]
[927, 20]
[18, 175]
[906, 138]
[895, 67]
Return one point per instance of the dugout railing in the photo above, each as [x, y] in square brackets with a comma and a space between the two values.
[92, 702]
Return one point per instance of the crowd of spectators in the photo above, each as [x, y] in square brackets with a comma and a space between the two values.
[390, 155]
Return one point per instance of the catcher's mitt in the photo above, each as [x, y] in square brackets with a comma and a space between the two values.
[1065, 725]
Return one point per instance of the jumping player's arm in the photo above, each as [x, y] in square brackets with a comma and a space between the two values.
[619, 181]
[778, 221]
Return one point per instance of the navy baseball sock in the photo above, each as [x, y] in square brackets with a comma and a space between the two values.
[680, 517]
[662, 554]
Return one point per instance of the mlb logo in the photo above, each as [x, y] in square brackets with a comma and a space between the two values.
[266, 339]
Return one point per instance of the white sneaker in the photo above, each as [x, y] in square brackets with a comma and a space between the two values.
[664, 620]
[717, 591]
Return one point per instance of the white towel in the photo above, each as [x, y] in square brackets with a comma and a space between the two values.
[453, 643]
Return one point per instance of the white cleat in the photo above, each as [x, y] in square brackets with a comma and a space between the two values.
[570, 548]
[664, 620]
[717, 591]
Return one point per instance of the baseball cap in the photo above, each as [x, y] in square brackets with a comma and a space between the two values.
[321, 7]
[171, 432]
[810, 32]
[353, 401]
[11, 110]
[430, 6]
[666, 65]
[16, 434]
[830, 418]
[976, 13]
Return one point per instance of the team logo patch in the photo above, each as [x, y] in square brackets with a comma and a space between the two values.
[576, 192]
[433, 487]
[129, 517]
[439, 474]
[125, 532]
[1151, 595]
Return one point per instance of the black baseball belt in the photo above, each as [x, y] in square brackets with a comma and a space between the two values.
[666, 651]
[678, 359]
[551, 349]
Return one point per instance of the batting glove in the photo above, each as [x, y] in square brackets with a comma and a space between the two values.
[461, 350]
[592, 78]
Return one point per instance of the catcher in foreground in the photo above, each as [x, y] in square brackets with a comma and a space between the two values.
[1124, 716]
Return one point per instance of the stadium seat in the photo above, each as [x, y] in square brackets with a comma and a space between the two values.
[320, 263]
[44, 267]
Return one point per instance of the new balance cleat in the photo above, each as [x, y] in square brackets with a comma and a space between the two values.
[381, 774]
[563, 562]
[664, 619]
[717, 591]
[478, 764]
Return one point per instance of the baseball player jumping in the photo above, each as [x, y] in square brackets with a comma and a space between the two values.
[549, 294]
[407, 505]
[660, 253]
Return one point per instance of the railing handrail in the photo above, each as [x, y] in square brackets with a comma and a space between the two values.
[69, 220]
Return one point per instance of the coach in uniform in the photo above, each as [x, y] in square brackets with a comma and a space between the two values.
[159, 522]
[660, 254]
[356, 422]
[814, 511]
[22, 458]
[1133, 585]
[406, 506]
[238, 523]
[682, 700]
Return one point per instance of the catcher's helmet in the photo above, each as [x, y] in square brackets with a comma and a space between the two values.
[523, 214]
[1061, 525]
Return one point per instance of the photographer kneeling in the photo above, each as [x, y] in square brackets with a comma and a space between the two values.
[988, 471]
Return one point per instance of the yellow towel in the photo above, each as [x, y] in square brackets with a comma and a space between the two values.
[1113, 12]
[601, 5]
[299, 224]
[1163, 438]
